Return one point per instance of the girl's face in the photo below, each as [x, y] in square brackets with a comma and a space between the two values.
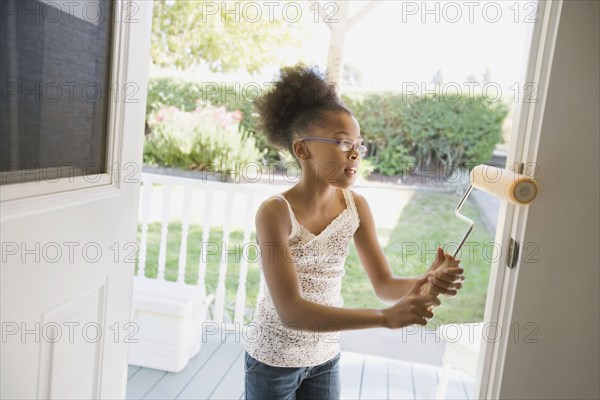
[325, 161]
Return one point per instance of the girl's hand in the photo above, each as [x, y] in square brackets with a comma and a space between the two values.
[445, 275]
[411, 309]
[439, 259]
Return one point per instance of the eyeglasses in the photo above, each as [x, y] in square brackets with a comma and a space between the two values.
[345, 145]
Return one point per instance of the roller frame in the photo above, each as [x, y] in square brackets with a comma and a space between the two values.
[464, 218]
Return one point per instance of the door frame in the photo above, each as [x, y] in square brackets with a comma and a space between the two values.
[512, 219]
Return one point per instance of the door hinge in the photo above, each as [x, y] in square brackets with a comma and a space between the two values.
[513, 253]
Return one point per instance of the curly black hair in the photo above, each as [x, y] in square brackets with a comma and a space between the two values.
[297, 100]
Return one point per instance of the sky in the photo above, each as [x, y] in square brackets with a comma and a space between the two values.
[390, 50]
[401, 41]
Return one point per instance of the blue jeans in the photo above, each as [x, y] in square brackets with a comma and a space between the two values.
[284, 383]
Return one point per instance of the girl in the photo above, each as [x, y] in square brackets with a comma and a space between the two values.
[292, 348]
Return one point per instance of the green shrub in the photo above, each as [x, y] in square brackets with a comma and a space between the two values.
[403, 133]
[365, 168]
[395, 160]
[449, 134]
[411, 133]
[207, 138]
[165, 91]
[380, 119]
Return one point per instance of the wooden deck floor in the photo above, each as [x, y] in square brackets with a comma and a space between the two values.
[217, 372]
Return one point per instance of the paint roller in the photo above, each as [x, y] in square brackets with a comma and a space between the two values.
[502, 183]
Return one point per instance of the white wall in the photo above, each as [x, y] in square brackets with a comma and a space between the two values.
[560, 293]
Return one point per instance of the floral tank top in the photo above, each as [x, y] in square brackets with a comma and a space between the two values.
[319, 261]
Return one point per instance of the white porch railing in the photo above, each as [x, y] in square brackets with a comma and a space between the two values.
[218, 204]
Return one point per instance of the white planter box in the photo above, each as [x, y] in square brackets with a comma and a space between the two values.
[169, 317]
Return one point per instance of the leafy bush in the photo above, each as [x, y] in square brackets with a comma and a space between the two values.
[451, 133]
[365, 168]
[165, 91]
[409, 133]
[403, 133]
[380, 119]
[395, 160]
[208, 138]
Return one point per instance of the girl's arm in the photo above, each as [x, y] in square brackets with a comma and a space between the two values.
[273, 226]
[390, 288]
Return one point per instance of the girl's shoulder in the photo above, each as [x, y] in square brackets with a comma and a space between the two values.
[275, 204]
[274, 209]
[357, 197]
[360, 202]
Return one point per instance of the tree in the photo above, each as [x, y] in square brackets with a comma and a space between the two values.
[352, 75]
[225, 36]
[339, 26]
[472, 78]
[487, 76]
[438, 77]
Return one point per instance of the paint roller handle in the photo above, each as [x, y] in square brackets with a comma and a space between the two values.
[412, 308]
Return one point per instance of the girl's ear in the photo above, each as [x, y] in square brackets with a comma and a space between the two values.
[301, 150]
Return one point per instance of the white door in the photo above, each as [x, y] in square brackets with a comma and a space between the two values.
[74, 91]
[529, 110]
[545, 309]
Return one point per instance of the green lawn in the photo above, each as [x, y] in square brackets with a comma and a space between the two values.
[426, 221]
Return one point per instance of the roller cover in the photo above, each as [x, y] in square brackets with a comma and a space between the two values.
[505, 184]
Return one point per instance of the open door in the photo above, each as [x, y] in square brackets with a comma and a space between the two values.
[512, 220]
[544, 306]
[74, 79]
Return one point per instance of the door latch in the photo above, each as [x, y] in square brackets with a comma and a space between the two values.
[513, 253]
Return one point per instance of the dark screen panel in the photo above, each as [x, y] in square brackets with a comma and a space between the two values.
[54, 72]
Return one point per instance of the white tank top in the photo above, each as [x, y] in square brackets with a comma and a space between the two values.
[319, 261]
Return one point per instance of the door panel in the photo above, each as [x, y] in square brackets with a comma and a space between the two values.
[68, 252]
[79, 321]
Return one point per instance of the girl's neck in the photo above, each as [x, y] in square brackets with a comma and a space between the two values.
[314, 195]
